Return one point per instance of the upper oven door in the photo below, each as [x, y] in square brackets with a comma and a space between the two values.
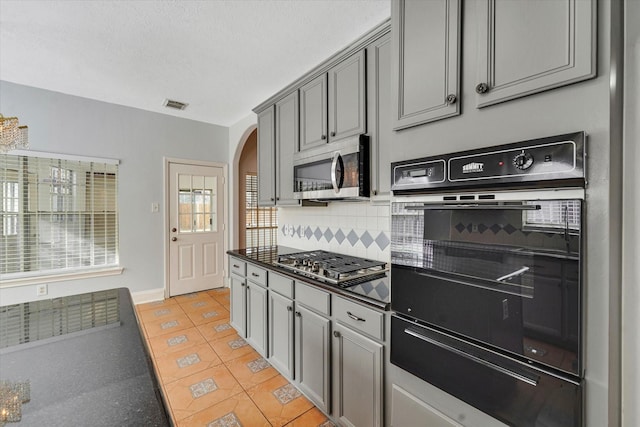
[495, 269]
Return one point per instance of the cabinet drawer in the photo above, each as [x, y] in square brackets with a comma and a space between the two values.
[359, 317]
[313, 298]
[281, 284]
[257, 275]
[238, 267]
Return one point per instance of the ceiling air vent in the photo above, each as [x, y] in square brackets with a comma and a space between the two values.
[177, 105]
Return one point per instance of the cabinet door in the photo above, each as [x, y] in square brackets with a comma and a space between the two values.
[313, 113]
[257, 317]
[287, 143]
[238, 304]
[379, 113]
[312, 356]
[357, 379]
[281, 334]
[526, 47]
[347, 108]
[426, 60]
[266, 158]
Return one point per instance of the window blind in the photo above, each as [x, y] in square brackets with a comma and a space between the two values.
[554, 214]
[57, 215]
[261, 222]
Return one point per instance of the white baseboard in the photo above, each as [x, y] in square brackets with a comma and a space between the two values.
[148, 296]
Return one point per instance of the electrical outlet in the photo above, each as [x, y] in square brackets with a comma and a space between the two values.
[41, 290]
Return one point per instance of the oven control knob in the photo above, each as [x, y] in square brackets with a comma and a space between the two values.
[523, 161]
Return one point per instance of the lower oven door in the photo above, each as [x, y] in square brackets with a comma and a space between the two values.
[504, 388]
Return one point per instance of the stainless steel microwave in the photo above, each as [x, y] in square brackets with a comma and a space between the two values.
[336, 171]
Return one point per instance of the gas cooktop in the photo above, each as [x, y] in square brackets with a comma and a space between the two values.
[329, 267]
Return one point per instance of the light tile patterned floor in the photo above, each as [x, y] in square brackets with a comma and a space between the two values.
[210, 375]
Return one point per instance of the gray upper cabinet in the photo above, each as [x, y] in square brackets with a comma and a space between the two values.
[525, 47]
[313, 113]
[287, 143]
[379, 113]
[266, 158]
[347, 109]
[426, 61]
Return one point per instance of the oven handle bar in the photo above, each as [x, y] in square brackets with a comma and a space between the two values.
[474, 206]
[519, 377]
[514, 274]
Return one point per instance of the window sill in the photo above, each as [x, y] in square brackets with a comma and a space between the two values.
[49, 278]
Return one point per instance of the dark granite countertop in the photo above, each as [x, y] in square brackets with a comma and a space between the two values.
[375, 293]
[85, 359]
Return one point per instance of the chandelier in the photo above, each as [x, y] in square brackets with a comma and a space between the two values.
[12, 135]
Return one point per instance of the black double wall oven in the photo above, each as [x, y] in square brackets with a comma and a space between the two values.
[486, 262]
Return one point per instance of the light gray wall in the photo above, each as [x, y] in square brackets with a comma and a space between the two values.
[582, 106]
[67, 124]
[631, 221]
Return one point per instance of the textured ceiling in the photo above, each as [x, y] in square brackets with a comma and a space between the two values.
[222, 57]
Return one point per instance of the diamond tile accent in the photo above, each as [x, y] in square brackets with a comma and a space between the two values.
[203, 387]
[169, 324]
[327, 423]
[188, 360]
[367, 287]
[299, 231]
[308, 233]
[328, 235]
[482, 228]
[284, 230]
[495, 228]
[199, 304]
[191, 296]
[382, 240]
[162, 312]
[286, 393]
[460, 227]
[209, 314]
[222, 327]
[318, 233]
[236, 344]
[469, 227]
[352, 237]
[258, 365]
[366, 239]
[510, 229]
[228, 420]
[340, 236]
[382, 290]
[180, 339]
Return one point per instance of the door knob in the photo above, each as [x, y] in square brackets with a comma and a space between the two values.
[174, 229]
[173, 239]
[482, 88]
[336, 334]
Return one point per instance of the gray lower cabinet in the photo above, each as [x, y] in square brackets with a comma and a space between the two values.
[238, 292]
[528, 47]
[281, 320]
[426, 60]
[312, 348]
[266, 158]
[357, 379]
[379, 115]
[256, 317]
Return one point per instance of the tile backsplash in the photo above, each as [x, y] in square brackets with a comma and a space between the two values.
[353, 228]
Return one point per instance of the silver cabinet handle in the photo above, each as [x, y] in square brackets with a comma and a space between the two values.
[354, 317]
[474, 206]
[236, 266]
[336, 334]
[255, 275]
[289, 308]
[298, 314]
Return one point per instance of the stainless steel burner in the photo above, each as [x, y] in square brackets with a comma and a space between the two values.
[330, 267]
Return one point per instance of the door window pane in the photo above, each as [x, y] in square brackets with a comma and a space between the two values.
[197, 203]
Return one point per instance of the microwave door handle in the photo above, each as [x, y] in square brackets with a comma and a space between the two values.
[517, 376]
[335, 181]
[519, 272]
[474, 206]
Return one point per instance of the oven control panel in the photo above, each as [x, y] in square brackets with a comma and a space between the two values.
[526, 163]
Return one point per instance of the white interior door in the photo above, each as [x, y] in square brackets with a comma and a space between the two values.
[196, 222]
